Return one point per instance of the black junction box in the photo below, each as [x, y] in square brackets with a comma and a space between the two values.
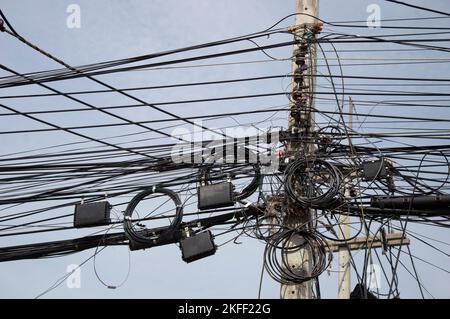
[374, 170]
[92, 214]
[198, 246]
[215, 196]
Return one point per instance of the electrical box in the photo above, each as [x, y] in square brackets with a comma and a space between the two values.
[199, 246]
[374, 170]
[215, 196]
[92, 214]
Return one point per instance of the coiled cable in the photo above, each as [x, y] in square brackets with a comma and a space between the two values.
[280, 246]
[313, 183]
[143, 237]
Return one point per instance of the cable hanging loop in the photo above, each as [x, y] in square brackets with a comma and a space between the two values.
[147, 237]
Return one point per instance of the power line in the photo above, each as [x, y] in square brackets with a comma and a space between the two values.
[418, 7]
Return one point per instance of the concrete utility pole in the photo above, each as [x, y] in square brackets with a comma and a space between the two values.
[344, 233]
[301, 259]
[368, 242]
[301, 122]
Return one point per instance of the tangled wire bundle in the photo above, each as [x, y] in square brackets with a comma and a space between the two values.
[313, 183]
[277, 251]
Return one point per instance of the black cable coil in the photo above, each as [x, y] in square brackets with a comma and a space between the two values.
[278, 248]
[145, 237]
[313, 183]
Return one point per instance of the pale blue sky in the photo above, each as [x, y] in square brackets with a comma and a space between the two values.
[112, 29]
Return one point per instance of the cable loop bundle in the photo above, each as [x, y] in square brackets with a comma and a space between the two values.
[145, 237]
[277, 251]
[329, 142]
[313, 183]
[250, 188]
[263, 228]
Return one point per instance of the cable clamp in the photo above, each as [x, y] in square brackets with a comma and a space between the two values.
[2, 25]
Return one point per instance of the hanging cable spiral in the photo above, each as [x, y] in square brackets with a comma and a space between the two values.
[145, 237]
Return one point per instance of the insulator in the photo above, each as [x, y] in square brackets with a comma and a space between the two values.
[298, 78]
[296, 95]
[299, 60]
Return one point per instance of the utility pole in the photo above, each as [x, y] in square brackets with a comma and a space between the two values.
[345, 246]
[344, 279]
[300, 122]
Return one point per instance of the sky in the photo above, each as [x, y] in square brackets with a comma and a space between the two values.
[112, 29]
